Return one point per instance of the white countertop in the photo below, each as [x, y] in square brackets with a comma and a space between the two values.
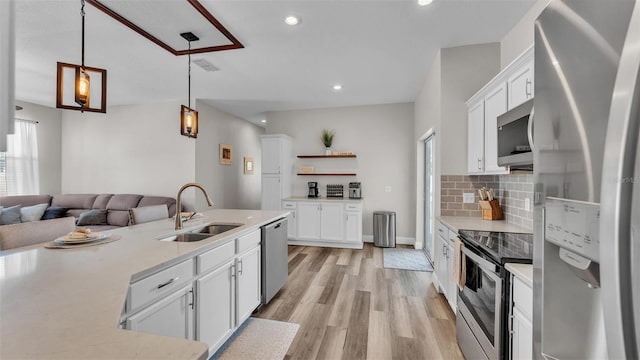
[67, 303]
[523, 272]
[477, 223]
[322, 198]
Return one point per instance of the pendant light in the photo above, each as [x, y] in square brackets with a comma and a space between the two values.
[189, 116]
[82, 81]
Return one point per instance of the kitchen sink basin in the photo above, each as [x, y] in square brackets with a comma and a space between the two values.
[186, 237]
[215, 229]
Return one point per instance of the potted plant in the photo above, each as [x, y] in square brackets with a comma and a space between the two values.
[327, 140]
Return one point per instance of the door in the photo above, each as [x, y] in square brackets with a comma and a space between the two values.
[271, 156]
[475, 135]
[495, 104]
[271, 192]
[171, 316]
[353, 231]
[332, 221]
[521, 86]
[248, 283]
[215, 311]
[428, 198]
[308, 220]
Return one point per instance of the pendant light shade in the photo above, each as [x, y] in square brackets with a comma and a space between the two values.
[189, 116]
[81, 86]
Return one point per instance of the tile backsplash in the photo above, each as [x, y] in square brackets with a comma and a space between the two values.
[511, 190]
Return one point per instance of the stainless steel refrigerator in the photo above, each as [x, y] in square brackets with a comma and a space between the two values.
[587, 180]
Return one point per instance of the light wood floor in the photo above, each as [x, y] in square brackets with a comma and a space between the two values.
[350, 307]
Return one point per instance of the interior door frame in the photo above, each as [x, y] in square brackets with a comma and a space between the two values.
[420, 187]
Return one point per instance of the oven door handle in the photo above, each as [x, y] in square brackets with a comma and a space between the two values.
[489, 267]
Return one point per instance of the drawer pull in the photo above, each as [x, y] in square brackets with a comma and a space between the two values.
[167, 283]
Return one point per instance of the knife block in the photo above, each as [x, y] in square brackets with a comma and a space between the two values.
[491, 210]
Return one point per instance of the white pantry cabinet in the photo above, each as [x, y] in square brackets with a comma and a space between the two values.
[510, 88]
[276, 167]
[333, 223]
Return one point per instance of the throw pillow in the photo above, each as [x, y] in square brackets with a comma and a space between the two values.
[10, 215]
[54, 212]
[32, 213]
[93, 217]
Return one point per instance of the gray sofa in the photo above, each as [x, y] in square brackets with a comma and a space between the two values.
[117, 205]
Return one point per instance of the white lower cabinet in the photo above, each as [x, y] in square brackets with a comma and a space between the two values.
[227, 290]
[335, 223]
[521, 310]
[170, 316]
[216, 306]
[444, 248]
[248, 283]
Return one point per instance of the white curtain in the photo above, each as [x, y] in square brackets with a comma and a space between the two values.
[22, 174]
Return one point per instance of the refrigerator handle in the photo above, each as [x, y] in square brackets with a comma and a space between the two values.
[530, 128]
[621, 320]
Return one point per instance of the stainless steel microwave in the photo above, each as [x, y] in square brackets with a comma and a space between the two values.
[515, 137]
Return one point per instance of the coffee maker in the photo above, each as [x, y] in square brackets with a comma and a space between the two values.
[355, 190]
[313, 189]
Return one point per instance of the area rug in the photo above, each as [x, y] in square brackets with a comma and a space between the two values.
[405, 259]
[259, 339]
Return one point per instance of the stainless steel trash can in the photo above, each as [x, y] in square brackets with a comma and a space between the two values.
[384, 228]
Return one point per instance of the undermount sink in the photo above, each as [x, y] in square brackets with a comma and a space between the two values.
[201, 234]
[215, 229]
[186, 237]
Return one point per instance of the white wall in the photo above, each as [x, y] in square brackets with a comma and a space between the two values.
[382, 138]
[465, 70]
[521, 36]
[228, 186]
[49, 144]
[135, 149]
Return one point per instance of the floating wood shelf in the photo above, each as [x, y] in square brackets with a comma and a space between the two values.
[325, 156]
[335, 174]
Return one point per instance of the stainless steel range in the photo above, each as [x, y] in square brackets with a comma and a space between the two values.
[481, 324]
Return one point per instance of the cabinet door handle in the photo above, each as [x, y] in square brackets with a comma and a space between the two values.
[233, 270]
[240, 267]
[193, 298]
[479, 164]
[527, 88]
[168, 282]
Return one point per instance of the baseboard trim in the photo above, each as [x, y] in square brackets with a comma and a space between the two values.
[399, 240]
[325, 244]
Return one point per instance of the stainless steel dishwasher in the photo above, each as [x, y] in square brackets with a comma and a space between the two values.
[275, 267]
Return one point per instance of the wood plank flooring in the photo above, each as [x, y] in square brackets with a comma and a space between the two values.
[350, 307]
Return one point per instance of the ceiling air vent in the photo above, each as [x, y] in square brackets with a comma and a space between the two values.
[205, 65]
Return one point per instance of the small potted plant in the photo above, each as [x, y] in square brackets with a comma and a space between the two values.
[327, 140]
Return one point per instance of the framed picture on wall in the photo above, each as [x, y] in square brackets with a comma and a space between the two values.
[248, 165]
[226, 154]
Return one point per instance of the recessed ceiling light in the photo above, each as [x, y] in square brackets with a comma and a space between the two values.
[337, 87]
[263, 121]
[424, 2]
[292, 20]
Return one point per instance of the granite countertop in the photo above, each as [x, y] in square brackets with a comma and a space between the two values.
[523, 272]
[67, 303]
[476, 223]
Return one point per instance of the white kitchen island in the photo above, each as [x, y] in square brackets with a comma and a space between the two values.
[69, 303]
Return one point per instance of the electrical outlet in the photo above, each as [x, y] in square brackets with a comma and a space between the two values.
[468, 198]
[387, 188]
[527, 204]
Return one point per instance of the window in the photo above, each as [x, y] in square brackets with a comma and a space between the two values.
[19, 165]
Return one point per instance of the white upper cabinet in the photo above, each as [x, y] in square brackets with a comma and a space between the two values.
[510, 88]
[271, 155]
[495, 104]
[521, 85]
[475, 158]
